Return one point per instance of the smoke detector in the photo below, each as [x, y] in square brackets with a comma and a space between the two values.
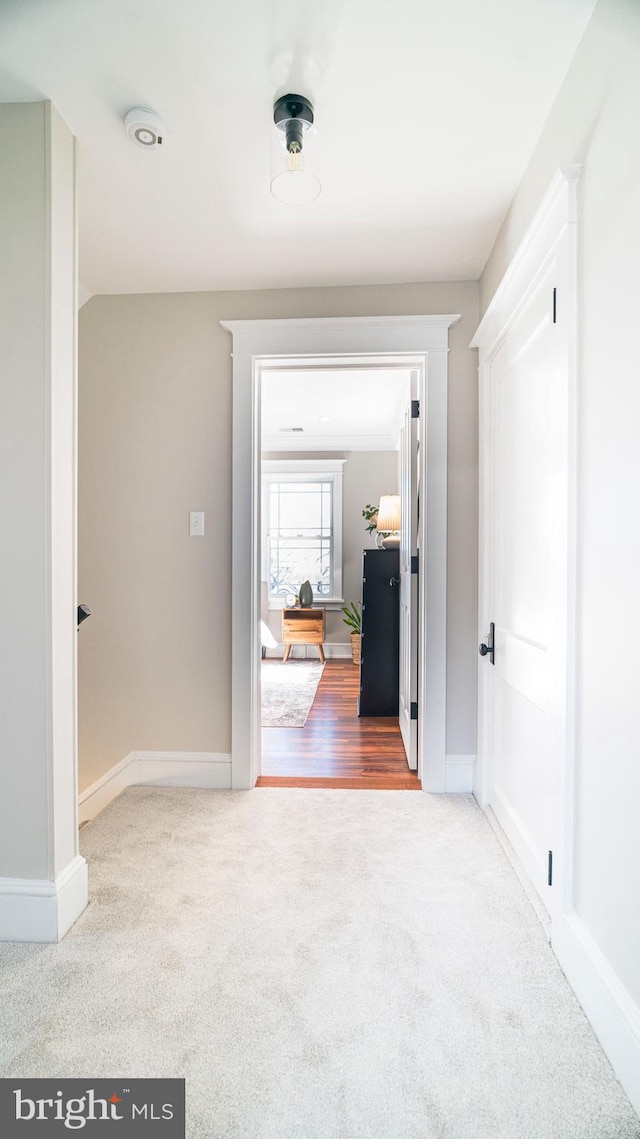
[144, 128]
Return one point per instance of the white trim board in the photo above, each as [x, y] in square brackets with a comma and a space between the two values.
[419, 343]
[338, 650]
[156, 769]
[459, 774]
[40, 910]
[330, 604]
[557, 209]
[96, 797]
[613, 1013]
[611, 1010]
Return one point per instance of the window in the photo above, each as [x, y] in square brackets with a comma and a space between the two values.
[302, 528]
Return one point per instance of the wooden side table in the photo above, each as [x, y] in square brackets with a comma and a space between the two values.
[303, 627]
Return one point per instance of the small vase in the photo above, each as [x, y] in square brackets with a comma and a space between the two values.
[306, 595]
[356, 647]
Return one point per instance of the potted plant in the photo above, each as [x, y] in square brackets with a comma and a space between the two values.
[353, 619]
[370, 514]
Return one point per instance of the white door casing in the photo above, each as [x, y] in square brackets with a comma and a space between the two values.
[408, 687]
[419, 342]
[527, 548]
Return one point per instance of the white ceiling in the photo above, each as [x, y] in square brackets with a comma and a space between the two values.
[427, 113]
[339, 409]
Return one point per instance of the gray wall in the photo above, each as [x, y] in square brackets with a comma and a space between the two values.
[38, 834]
[595, 122]
[366, 476]
[155, 442]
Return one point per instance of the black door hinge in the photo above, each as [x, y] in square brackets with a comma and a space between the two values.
[550, 869]
[415, 408]
[414, 709]
[555, 305]
[415, 563]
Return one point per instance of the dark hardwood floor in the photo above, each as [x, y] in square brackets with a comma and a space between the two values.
[336, 748]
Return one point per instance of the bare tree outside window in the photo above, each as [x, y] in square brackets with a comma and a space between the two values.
[300, 536]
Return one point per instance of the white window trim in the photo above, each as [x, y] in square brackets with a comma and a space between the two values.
[287, 470]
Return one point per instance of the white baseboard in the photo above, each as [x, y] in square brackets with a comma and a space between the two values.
[156, 769]
[72, 888]
[613, 1013]
[337, 651]
[39, 910]
[459, 773]
[183, 769]
[609, 1007]
[100, 793]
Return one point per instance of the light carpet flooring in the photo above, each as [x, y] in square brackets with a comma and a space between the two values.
[318, 965]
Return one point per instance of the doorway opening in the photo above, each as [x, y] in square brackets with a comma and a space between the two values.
[414, 342]
[338, 616]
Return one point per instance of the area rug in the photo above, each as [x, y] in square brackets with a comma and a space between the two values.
[288, 691]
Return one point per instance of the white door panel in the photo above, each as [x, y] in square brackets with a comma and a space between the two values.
[528, 515]
[408, 692]
[523, 666]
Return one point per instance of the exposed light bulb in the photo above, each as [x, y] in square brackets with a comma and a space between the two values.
[296, 161]
[293, 183]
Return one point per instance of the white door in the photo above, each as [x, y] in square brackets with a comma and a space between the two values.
[528, 499]
[409, 587]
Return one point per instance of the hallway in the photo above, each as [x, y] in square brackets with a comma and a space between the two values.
[314, 963]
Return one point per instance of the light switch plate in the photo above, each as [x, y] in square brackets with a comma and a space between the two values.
[196, 523]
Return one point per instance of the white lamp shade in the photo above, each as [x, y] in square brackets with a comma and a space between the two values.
[389, 513]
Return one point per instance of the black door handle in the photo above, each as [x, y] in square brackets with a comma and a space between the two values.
[83, 612]
[488, 649]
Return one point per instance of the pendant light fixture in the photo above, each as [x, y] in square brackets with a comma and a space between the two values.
[293, 183]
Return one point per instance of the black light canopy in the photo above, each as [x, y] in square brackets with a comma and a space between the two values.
[293, 114]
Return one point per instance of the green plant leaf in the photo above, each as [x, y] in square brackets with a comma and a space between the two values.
[352, 616]
[370, 514]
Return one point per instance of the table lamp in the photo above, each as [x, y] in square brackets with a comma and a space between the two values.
[389, 520]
